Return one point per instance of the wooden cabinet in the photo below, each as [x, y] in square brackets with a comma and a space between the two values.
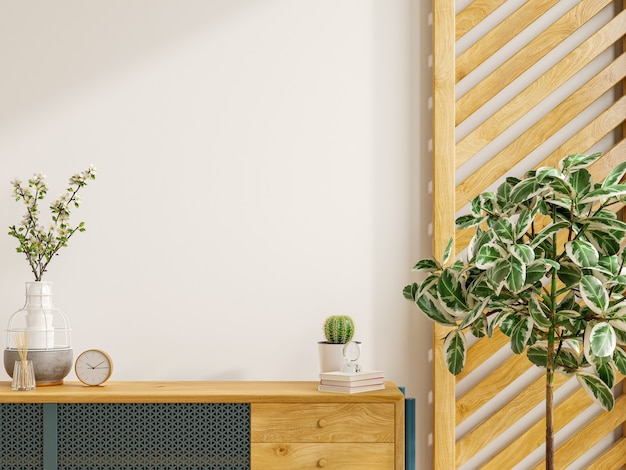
[323, 435]
[283, 425]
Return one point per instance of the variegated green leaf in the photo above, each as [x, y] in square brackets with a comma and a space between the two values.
[496, 321]
[547, 171]
[583, 253]
[594, 294]
[550, 263]
[615, 175]
[524, 253]
[475, 312]
[604, 222]
[503, 228]
[581, 181]
[604, 241]
[523, 223]
[409, 291]
[604, 193]
[601, 339]
[538, 353]
[498, 273]
[547, 232]
[447, 251]
[432, 310]
[521, 334]
[561, 187]
[567, 360]
[619, 358]
[606, 373]
[488, 255]
[537, 313]
[596, 389]
[454, 351]
[525, 190]
[535, 271]
[577, 161]
[427, 265]
[450, 291]
[479, 327]
[466, 221]
[569, 273]
[618, 324]
[517, 277]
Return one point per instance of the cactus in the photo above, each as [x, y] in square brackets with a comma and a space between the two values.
[339, 329]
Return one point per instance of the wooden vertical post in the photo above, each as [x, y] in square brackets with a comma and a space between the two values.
[443, 216]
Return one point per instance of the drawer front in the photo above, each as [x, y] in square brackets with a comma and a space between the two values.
[302, 456]
[322, 422]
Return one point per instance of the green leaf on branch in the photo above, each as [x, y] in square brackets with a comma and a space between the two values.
[547, 232]
[409, 291]
[427, 265]
[569, 273]
[450, 291]
[615, 175]
[594, 294]
[578, 161]
[521, 334]
[432, 310]
[604, 193]
[537, 314]
[488, 255]
[525, 190]
[596, 389]
[583, 253]
[619, 358]
[454, 351]
[600, 338]
[517, 277]
[538, 353]
[606, 373]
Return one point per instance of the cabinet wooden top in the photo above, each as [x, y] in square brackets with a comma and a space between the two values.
[193, 392]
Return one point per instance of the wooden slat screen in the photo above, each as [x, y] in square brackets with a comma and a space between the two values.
[518, 85]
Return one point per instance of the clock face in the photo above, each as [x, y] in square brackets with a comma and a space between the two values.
[93, 367]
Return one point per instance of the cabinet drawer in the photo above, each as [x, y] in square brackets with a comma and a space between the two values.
[302, 456]
[322, 422]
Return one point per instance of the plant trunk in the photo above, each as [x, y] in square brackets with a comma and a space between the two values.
[549, 419]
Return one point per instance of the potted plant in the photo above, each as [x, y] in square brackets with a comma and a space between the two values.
[546, 266]
[39, 326]
[338, 330]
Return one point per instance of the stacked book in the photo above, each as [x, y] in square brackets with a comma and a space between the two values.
[351, 382]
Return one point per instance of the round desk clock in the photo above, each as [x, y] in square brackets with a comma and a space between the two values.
[93, 367]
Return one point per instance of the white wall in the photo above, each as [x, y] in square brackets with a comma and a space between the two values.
[262, 164]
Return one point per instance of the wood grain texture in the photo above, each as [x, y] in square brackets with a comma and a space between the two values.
[614, 457]
[497, 37]
[588, 435]
[323, 422]
[504, 418]
[539, 132]
[443, 219]
[195, 392]
[473, 14]
[303, 456]
[501, 377]
[482, 350]
[534, 437]
[521, 61]
[541, 88]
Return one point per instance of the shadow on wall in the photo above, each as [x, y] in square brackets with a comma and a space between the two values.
[74, 43]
